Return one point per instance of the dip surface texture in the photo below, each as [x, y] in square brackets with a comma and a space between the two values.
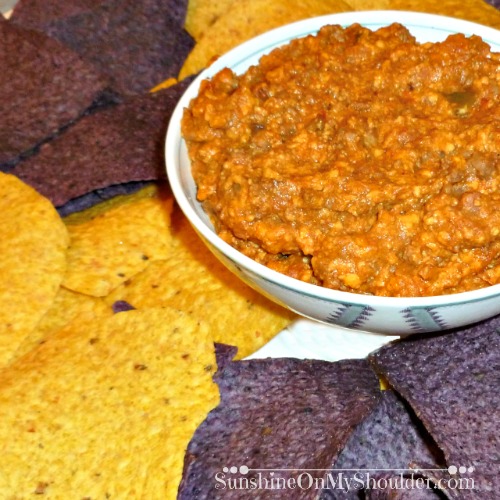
[356, 160]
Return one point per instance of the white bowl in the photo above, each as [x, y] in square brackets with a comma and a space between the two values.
[359, 312]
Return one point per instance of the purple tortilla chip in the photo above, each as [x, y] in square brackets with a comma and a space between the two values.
[99, 195]
[395, 488]
[281, 415]
[452, 381]
[40, 94]
[114, 145]
[390, 439]
[35, 13]
[137, 44]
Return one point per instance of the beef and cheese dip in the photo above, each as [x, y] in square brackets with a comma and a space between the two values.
[357, 160]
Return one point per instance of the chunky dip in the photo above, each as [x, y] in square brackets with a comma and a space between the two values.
[356, 160]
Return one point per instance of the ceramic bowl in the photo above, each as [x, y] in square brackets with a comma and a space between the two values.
[354, 311]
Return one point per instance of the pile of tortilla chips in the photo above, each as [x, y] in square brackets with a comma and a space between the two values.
[109, 315]
[107, 335]
[430, 433]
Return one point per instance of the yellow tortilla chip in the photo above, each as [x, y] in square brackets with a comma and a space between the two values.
[369, 4]
[472, 10]
[246, 19]
[107, 205]
[201, 14]
[118, 243]
[106, 410]
[165, 84]
[33, 250]
[67, 306]
[193, 280]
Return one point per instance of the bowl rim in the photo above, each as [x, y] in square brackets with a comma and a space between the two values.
[266, 42]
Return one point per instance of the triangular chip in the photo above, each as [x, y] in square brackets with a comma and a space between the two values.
[106, 409]
[281, 417]
[388, 443]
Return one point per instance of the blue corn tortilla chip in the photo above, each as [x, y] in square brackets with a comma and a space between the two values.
[118, 144]
[136, 44]
[385, 445]
[40, 94]
[452, 383]
[282, 414]
[99, 195]
[415, 489]
[35, 13]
